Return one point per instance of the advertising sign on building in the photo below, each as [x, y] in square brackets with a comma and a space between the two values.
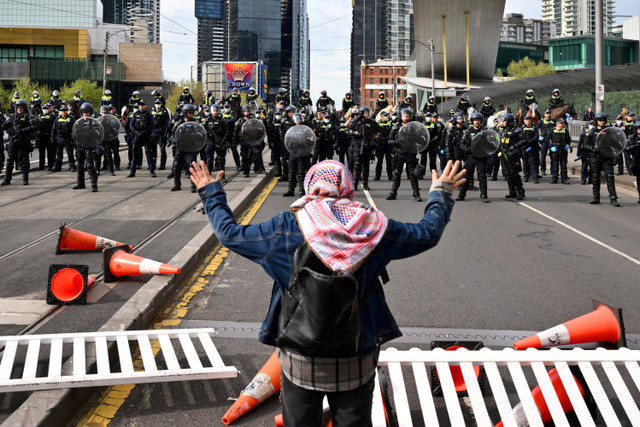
[239, 75]
[262, 82]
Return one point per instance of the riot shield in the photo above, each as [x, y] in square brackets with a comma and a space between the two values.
[111, 126]
[87, 132]
[253, 132]
[610, 142]
[190, 137]
[485, 143]
[413, 138]
[300, 141]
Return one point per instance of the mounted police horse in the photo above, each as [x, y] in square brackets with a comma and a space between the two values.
[531, 112]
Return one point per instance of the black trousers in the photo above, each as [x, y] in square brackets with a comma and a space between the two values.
[302, 407]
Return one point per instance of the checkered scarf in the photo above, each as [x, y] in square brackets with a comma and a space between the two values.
[341, 231]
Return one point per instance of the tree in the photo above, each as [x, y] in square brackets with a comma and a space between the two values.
[91, 92]
[527, 67]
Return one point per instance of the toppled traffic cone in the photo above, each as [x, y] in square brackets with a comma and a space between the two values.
[264, 385]
[541, 404]
[118, 262]
[603, 325]
[456, 371]
[71, 240]
[68, 284]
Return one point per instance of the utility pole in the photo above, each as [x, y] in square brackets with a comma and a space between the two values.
[433, 75]
[104, 63]
[394, 87]
[599, 55]
[466, 36]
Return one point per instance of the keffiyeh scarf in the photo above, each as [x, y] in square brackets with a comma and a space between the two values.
[342, 232]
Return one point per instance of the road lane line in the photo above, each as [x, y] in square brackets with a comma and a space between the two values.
[171, 316]
[370, 199]
[580, 233]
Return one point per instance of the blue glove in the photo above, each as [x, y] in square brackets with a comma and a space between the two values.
[554, 149]
[441, 151]
[566, 147]
[529, 149]
[576, 159]
[541, 138]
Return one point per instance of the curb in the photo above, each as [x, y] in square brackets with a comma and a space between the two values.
[58, 407]
[576, 170]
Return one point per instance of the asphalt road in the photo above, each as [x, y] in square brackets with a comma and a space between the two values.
[507, 265]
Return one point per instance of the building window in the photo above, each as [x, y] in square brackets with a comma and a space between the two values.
[381, 80]
[370, 93]
[371, 80]
[386, 81]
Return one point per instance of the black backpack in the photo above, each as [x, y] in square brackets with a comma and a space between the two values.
[320, 312]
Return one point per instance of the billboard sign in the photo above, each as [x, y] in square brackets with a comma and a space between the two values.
[239, 75]
[262, 82]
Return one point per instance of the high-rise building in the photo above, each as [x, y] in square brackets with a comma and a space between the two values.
[399, 27]
[212, 31]
[135, 12]
[577, 17]
[73, 14]
[519, 30]
[295, 68]
[368, 37]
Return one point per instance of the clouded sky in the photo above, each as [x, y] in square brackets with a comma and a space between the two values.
[330, 38]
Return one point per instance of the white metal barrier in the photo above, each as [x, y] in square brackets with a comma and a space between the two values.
[620, 367]
[26, 366]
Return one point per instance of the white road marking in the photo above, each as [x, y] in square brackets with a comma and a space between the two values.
[580, 233]
[22, 312]
[369, 198]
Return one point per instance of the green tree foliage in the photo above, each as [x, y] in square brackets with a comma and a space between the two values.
[527, 67]
[91, 92]
[25, 86]
[176, 90]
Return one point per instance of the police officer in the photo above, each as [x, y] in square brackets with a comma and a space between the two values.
[430, 106]
[157, 96]
[528, 99]
[61, 138]
[543, 127]
[186, 97]
[556, 101]
[342, 145]
[46, 150]
[436, 149]
[324, 101]
[111, 146]
[633, 148]
[141, 126]
[55, 100]
[283, 97]
[106, 98]
[327, 136]
[472, 161]
[381, 102]
[619, 159]
[401, 159]
[86, 158]
[629, 130]
[14, 101]
[135, 98]
[305, 100]
[363, 132]
[585, 170]
[407, 103]
[530, 151]
[235, 98]
[216, 148]
[384, 151]
[511, 140]
[453, 149]
[161, 121]
[278, 151]
[347, 102]
[21, 128]
[129, 135]
[487, 110]
[600, 163]
[183, 159]
[559, 146]
[287, 123]
[463, 104]
[246, 151]
[77, 98]
[35, 103]
[589, 115]
[252, 95]
[230, 118]
[298, 166]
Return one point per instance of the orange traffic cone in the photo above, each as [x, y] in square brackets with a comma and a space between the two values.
[118, 262]
[264, 385]
[71, 240]
[68, 284]
[456, 371]
[604, 324]
[538, 398]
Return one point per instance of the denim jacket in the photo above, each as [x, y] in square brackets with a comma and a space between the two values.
[272, 244]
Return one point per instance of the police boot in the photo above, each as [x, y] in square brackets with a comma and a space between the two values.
[395, 184]
[93, 176]
[209, 163]
[416, 188]
[292, 184]
[176, 178]
[611, 187]
[285, 172]
[483, 189]
[8, 173]
[79, 181]
[471, 186]
[595, 181]
[512, 187]
[302, 171]
[519, 187]
[463, 191]
[25, 171]
[638, 186]
[193, 187]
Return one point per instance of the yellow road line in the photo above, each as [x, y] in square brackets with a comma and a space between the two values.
[170, 315]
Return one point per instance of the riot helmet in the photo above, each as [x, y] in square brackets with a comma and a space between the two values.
[56, 94]
[510, 119]
[104, 110]
[86, 108]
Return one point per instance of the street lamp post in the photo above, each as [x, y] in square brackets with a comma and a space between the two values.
[106, 49]
[599, 53]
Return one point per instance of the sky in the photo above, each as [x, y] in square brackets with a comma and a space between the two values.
[330, 29]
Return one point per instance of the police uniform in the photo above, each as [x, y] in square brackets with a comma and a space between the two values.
[384, 151]
[252, 96]
[21, 130]
[556, 102]
[401, 159]
[453, 148]
[230, 118]
[182, 159]
[282, 97]
[186, 98]
[463, 106]
[298, 166]
[511, 140]
[141, 126]
[61, 136]
[471, 163]
[159, 129]
[487, 110]
[381, 103]
[585, 170]
[430, 107]
[86, 160]
[78, 100]
[363, 131]
[599, 163]
[342, 146]
[559, 146]
[324, 102]
[326, 137]
[235, 99]
[527, 101]
[46, 149]
[305, 101]
[55, 102]
[247, 152]
[347, 103]
[209, 100]
[633, 148]
[531, 153]
[543, 127]
[106, 100]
